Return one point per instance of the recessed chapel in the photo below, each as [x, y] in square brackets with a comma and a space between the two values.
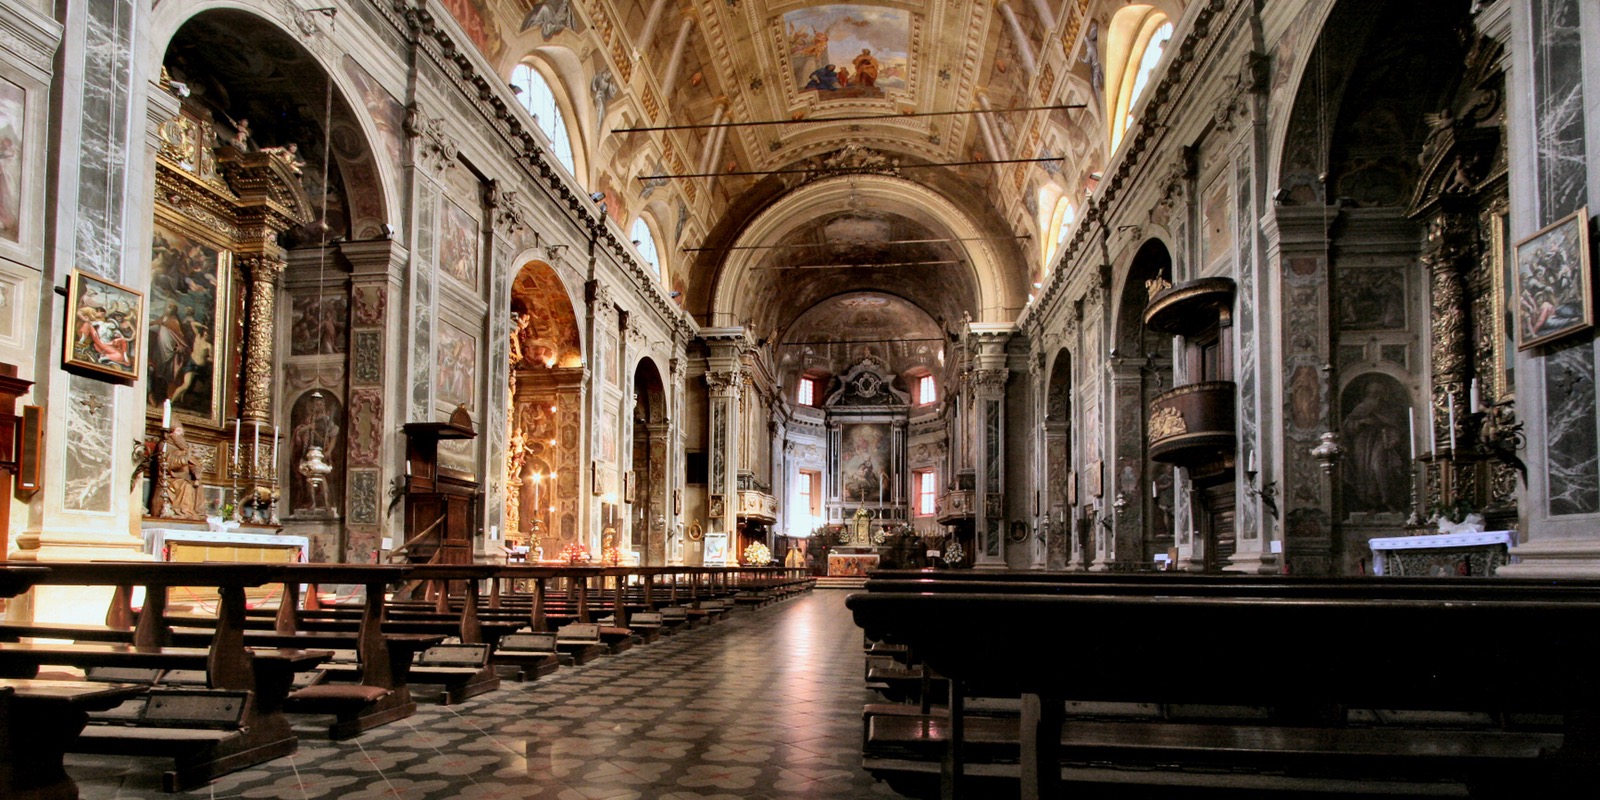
[471, 320]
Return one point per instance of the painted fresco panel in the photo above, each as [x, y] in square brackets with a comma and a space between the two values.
[844, 51]
[318, 324]
[458, 245]
[457, 366]
[12, 148]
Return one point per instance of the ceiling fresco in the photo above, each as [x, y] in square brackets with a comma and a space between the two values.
[696, 63]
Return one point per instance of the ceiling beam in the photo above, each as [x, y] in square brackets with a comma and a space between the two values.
[846, 171]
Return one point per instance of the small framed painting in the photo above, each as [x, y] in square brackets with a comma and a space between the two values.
[716, 553]
[1554, 293]
[104, 322]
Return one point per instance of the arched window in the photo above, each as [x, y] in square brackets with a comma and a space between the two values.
[646, 242]
[1138, 36]
[1147, 62]
[540, 101]
[1061, 223]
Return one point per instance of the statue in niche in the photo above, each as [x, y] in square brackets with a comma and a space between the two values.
[180, 477]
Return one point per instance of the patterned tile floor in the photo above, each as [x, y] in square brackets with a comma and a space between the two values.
[764, 705]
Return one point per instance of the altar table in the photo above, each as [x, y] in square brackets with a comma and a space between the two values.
[1474, 554]
[851, 565]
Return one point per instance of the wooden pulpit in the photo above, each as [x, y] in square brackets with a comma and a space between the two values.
[441, 503]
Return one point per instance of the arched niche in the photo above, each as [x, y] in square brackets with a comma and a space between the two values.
[1061, 494]
[651, 448]
[544, 452]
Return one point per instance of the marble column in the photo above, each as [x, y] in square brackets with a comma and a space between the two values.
[725, 378]
[1128, 483]
[989, 400]
[651, 21]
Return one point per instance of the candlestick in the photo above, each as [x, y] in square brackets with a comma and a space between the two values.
[1411, 431]
[166, 414]
[1450, 403]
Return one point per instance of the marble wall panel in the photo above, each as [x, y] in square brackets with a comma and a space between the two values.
[1571, 439]
[366, 427]
[363, 502]
[1558, 108]
[102, 158]
[1247, 361]
[91, 449]
[367, 362]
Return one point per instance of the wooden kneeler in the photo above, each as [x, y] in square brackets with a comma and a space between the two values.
[381, 697]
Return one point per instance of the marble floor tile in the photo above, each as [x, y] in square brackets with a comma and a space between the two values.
[763, 706]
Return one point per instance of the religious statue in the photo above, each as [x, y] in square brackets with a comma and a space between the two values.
[180, 477]
[315, 468]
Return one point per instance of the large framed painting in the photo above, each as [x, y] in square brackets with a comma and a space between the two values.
[104, 320]
[1554, 293]
[864, 463]
[190, 288]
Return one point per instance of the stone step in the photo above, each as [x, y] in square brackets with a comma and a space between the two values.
[840, 582]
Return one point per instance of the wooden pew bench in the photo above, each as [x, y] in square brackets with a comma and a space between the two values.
[1303, 738]
[39, 721]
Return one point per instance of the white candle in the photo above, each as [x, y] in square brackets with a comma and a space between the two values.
[238, 425]
[1154, 493]
[274, 462]
[255, 449]
[166, 414]
[1411, 431]
[408, 467]
[1474, 402]
[1250, 465]
[1450, 403]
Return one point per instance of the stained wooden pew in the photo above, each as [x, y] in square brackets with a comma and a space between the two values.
[1310, 661]
[263, 733]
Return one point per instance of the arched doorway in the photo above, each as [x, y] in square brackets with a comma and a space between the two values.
[648, 481]
[543, 456]
[1141, 369]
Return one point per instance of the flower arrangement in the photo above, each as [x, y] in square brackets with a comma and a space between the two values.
[757, 555]
[575, 554]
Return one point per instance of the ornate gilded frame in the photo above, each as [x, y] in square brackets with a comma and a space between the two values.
[75, 358]
[1573, 264]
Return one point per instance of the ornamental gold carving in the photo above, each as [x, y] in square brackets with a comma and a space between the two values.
[1166, 422]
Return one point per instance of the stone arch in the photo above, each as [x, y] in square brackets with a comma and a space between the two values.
[995, 292]
[357, 136]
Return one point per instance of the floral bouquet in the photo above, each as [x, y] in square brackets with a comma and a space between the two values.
[757, 555]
